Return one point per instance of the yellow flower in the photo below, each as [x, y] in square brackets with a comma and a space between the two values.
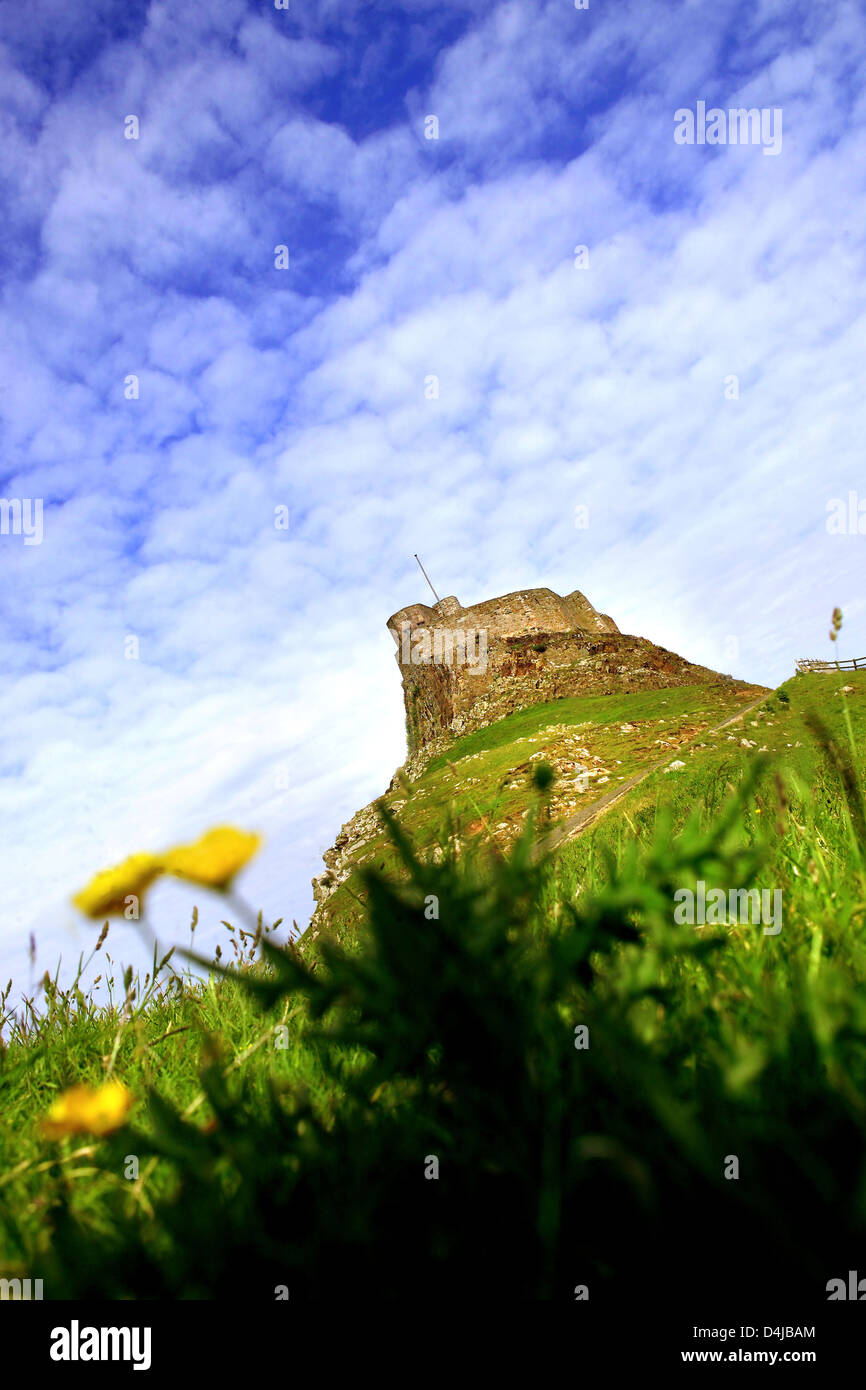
[85, 1110]
[107, 893]
[213, 860]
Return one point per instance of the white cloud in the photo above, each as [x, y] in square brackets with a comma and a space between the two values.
[262, 651]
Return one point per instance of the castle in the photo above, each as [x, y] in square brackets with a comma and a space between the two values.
[465, 668]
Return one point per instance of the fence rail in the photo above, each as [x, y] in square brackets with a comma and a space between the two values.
[856, 663]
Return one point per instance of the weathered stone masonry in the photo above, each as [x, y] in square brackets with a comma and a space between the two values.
[539, 647]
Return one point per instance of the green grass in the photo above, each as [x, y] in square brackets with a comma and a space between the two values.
[485, 779]
[288, 1108]
[794, 767]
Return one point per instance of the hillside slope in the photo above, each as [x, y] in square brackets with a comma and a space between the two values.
[483, 783]
[283, 1107]
[598, 747]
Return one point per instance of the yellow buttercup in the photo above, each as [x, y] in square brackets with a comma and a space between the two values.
[107, 894]
[86, 1109]
[213, 860]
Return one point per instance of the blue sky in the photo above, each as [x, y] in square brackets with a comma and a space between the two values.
[265, 690]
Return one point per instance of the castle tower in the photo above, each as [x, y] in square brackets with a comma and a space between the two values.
[465, 668]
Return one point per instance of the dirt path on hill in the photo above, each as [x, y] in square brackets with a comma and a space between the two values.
[581, 820]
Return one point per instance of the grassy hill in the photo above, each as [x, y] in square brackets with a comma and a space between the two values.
[484, 783]
[288, 1113]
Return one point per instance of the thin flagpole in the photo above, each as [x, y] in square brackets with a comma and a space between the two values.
[427, 577]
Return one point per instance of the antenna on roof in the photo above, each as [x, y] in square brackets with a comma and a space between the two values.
[427, 577]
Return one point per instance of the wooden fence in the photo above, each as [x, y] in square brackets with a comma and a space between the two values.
[856, 663]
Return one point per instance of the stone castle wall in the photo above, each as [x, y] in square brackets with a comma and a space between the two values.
[513, 615]
[539, 647]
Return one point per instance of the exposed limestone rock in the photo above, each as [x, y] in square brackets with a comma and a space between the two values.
[339, 860]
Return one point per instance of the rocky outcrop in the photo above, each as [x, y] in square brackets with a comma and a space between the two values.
[465, 668]
[339, 860]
